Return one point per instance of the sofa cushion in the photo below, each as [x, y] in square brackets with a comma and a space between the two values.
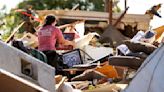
[140, 47]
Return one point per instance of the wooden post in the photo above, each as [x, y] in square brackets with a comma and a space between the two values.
[125, 4]
[120, 18]
[106, 8]
[110, 11]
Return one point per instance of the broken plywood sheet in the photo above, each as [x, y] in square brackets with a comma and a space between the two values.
[97, 53]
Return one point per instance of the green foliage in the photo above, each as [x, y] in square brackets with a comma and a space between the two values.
[13, 19]
[95, 5]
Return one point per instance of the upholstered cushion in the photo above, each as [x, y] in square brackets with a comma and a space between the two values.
[126, 61]
[140, 47]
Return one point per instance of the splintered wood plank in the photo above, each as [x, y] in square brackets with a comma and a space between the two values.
[13, 33]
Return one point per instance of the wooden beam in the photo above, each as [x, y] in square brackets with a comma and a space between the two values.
[141, 19]
[92, 15]
[59, 86]
[120, 18]
[72, 14]
[13, 33]
[125, 4]
[67, 25]
[110, 11]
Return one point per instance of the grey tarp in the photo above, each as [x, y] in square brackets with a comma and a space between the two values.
[113, 36]
[150, 75]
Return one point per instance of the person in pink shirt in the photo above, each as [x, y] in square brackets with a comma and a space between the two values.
[48, 35]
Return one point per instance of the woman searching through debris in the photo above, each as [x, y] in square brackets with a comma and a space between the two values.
[48, 35]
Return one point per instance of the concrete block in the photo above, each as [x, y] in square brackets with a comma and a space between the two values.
[15, 61]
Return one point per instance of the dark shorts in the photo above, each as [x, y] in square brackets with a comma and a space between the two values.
[55, 60]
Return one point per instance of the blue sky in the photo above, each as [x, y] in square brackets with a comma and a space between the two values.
[136, 7]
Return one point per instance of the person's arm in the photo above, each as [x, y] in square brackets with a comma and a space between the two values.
[66, 42]
[63, 41]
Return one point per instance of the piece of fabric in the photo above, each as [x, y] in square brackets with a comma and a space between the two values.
[19, 45]
[39, 55]
[47, 37]
[33, 52]
[138, 36]
[108, 70]
[149, 34]
[123, 48]
[149, 37]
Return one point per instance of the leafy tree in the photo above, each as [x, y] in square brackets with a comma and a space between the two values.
[11, 20]
[6, 19]
[95, 5]
[14, 18]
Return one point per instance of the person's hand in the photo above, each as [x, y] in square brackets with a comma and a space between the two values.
[73, 44]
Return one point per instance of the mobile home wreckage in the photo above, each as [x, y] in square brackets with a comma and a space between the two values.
[88, 70]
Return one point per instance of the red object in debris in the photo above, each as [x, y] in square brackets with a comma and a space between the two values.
[30, 15]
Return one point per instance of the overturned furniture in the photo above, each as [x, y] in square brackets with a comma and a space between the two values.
[126, 61]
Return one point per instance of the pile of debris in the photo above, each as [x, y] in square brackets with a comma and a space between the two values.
[106, 62]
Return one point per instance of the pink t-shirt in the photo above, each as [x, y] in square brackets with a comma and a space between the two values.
[47, 37]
